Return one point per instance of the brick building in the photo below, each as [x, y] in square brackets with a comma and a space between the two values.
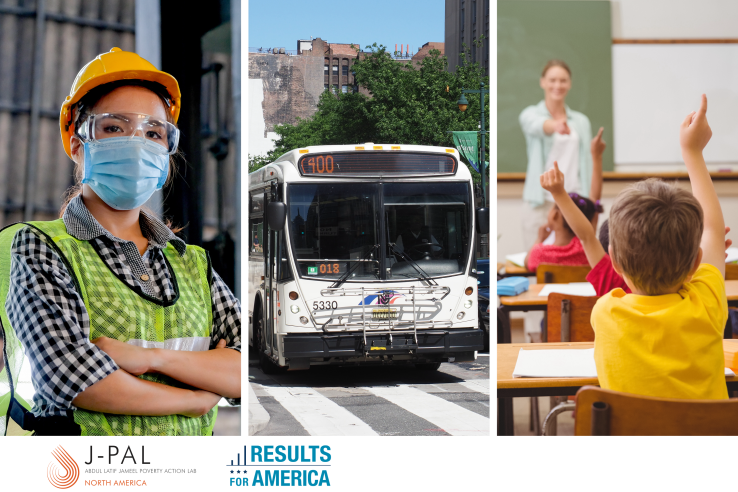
[287, 85]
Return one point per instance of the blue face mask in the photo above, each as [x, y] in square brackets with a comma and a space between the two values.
[125, 171]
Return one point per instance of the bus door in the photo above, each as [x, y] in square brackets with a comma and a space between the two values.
[270, 284]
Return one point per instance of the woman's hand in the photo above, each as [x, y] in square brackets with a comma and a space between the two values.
[562, 127]
[597, 146]
[556, 126]
[203, 401]
[553, 180]
[695, 132]
[132, 359]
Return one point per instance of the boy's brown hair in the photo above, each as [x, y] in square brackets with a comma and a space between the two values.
[655, 234]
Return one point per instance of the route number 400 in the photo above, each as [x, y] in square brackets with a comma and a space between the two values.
[325, 305]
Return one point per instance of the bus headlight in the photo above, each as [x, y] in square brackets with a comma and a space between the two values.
[295, 309]
[460, 315]
[468, 303]
[303, 320]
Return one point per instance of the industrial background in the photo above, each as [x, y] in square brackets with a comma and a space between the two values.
[44, 43]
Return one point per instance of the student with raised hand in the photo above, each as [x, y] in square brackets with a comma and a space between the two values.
[567, 248]
[665, 339]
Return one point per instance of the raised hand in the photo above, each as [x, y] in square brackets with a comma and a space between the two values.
[597, 146]
[553, 180]
[695, 132]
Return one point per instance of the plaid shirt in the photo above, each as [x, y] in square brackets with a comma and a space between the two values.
[50, 317]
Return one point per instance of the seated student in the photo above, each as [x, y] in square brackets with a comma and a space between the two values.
[603, 276]
[665, 339]
[566, 249]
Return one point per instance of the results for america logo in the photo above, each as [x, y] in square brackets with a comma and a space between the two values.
[68, 476]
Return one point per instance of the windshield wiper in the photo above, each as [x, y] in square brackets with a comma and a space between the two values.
[422, 275]
[348, 273]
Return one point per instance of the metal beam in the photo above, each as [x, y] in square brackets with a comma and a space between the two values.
[33, 134]
[71, 19]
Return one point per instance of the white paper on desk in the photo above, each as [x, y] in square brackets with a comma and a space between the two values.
[564, 363]
[572, 289]
[732, 254]
[519, 258]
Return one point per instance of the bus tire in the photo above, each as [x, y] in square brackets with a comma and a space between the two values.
[428, 366]
[266, 364]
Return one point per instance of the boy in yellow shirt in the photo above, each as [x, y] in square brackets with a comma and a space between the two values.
[665, 339]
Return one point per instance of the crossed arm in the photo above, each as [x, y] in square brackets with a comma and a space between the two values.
[53, 325]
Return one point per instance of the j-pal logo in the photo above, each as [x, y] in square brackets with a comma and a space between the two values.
[69, 473]
[383, 297]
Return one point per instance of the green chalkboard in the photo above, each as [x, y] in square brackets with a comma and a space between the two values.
[529, 33]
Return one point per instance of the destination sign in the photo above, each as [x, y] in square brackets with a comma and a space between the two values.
[382, 163]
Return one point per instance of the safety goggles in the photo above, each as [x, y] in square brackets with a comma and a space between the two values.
[106, 125]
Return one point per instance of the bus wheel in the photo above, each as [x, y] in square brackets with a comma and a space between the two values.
[265, 362]
[428, 366]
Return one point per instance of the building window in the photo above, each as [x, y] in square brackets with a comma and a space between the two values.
[334, 89]
[356, 88]
[344, 89]
[344, 70]
[325, 68]
[325, 87]
[335, 68]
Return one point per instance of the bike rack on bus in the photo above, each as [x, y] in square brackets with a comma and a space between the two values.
[414, 290]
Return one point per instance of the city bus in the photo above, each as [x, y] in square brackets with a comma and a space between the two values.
[363, 254]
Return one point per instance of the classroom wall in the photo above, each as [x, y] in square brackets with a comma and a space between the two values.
[640, 19]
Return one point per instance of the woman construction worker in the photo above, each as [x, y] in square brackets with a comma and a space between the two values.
[127, 328]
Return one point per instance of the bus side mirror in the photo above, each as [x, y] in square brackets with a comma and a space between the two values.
[483, 220]
[276, 213]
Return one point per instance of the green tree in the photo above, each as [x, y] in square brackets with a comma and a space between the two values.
[408, 103]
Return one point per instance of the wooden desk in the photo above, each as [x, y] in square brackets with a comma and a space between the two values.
[509, 387]
[512, 270]
[531, 301]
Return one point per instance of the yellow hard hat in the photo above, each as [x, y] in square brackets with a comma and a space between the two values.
[110, 67]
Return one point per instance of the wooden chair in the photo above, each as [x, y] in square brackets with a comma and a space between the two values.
[568, 317]
[611, 413]
[731, 273]
[548, 273]
[567, 320]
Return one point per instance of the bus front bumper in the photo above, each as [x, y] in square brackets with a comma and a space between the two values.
[435, 345]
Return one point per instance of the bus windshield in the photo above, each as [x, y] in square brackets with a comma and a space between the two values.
[335, 229]
[427, 224]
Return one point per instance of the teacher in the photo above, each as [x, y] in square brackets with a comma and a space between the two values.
[553, 132]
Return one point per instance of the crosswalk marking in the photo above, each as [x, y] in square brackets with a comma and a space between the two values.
[480, 385]
[317, 414]
[448, 416]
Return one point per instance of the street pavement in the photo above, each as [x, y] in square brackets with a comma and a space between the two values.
[370, 401]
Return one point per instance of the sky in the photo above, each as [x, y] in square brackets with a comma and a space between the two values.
[280, 23]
